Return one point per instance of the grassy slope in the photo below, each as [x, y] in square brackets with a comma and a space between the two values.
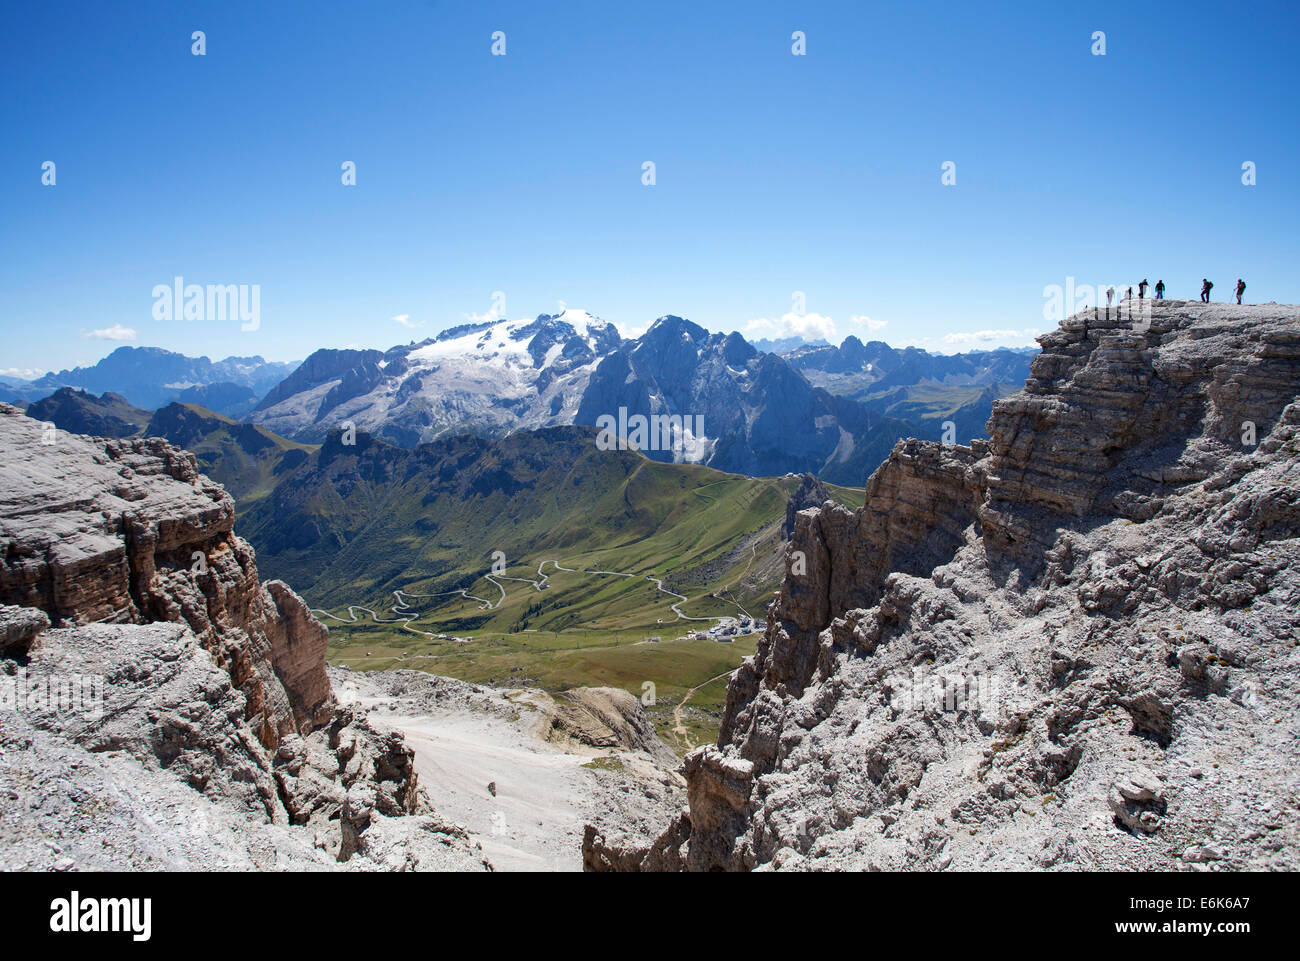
[247, 460]
[354, 524]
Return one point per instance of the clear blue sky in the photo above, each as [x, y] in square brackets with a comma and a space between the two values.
[775, 173]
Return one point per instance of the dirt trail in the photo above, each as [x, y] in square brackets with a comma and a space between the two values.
[679, 729]
[485, 758]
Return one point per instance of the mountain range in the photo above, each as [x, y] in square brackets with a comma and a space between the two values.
[487, 379]
[350, 523]
[923, 390]
[762, 413]
[150, 377]
[1069, 645]
[855, 369]
[81, 412]
[832, 411]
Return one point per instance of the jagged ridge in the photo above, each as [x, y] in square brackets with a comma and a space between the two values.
[1118, 566]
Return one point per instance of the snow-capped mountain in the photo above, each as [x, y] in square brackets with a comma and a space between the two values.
[678, 393]
[486, 378]
[722, 403]
[751, 412]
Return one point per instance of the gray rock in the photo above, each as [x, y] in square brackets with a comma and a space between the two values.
[19, 627]
[172, 666]
[1033, 653]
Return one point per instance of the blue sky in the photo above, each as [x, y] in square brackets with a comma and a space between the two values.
[775, 173]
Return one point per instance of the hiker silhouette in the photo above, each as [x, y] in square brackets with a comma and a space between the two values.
[1206, 287]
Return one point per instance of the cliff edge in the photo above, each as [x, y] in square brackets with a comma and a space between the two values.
[163, 707]
[1074, 646]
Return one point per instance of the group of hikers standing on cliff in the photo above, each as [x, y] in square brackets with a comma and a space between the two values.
[1206, 287]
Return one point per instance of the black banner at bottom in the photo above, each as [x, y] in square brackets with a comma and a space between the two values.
[146, 911]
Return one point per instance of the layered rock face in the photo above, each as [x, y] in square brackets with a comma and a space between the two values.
[128, 531]
[200, 675]
[1074, 647]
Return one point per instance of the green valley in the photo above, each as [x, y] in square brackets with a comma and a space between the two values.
[536, 560]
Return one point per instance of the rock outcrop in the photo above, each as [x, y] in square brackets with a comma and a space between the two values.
[129, 531]
[810, 493]
[18, 628]
[168, 656]
[1073, 647]
[607, 717]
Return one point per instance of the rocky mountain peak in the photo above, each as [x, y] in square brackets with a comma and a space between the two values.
[670, 327]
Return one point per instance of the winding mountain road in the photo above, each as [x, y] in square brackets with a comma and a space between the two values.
[405, 615]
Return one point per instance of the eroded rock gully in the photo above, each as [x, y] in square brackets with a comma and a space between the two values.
[1074, 646]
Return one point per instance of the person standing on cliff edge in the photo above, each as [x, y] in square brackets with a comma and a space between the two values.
[1160, 290]
[1241, 289]
[1142, 289]
[1206, 287]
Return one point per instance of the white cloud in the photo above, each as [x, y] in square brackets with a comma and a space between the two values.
[489, 316]
[964, 341]
[405, 321]
[1020, 337]
[628, 332]
[116, 332]
[21, 373]
[807, 326]
[862, 320]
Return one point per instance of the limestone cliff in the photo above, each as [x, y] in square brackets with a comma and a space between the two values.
[208, 676]
[1073, 646]
[129, 531]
